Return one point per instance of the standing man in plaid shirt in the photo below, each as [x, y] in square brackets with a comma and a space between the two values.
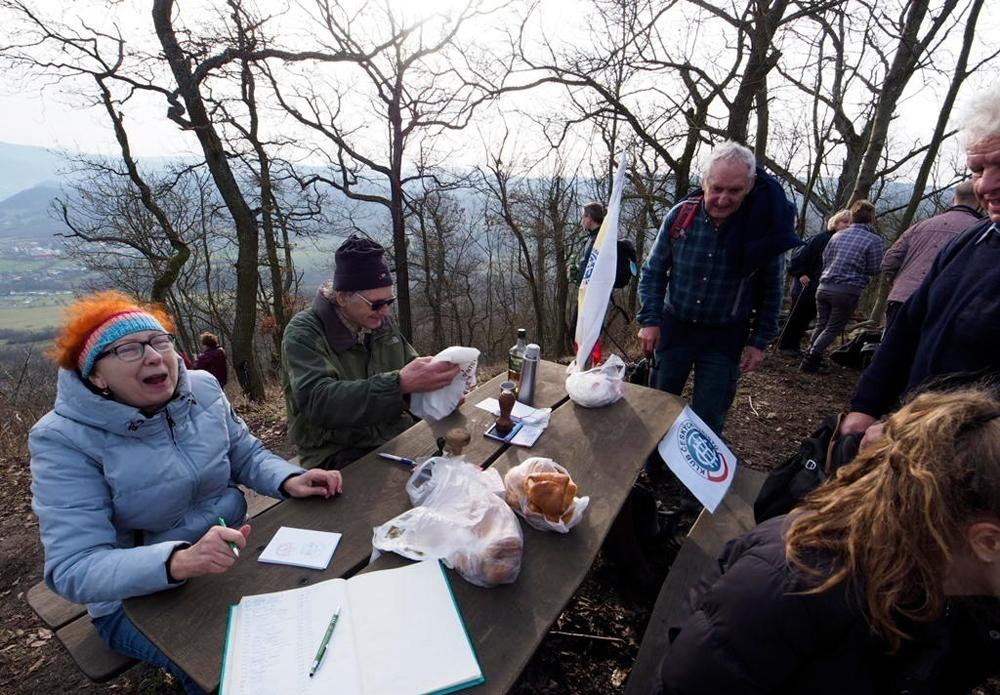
[711, 287]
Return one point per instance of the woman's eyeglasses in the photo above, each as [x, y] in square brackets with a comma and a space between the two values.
[134, 350]
[378, 303]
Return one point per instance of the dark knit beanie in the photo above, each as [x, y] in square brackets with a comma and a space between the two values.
[360, 265]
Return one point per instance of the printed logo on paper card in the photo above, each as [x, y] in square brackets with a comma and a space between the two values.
[701, 453]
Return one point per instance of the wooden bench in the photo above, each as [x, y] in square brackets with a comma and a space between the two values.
[72, 627]
[733, 517]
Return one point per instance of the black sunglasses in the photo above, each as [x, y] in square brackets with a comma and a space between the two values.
[378, 303]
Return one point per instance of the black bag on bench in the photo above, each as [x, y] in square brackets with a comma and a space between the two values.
[818, 457]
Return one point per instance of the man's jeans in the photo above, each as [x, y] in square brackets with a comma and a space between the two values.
[715, 377]
[124, 637]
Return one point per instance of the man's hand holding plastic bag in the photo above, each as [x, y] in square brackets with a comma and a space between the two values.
[438, 404]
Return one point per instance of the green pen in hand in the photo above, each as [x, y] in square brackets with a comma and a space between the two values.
[321, 652]
[236, 548]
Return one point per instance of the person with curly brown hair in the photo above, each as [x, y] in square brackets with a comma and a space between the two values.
[885, 580]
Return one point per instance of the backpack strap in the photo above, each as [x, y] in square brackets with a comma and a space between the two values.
[828, 467]
[685, 217]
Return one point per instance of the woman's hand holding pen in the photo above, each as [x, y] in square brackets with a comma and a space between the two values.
[212, 554]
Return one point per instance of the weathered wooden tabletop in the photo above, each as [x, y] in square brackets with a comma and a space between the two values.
[603, 449]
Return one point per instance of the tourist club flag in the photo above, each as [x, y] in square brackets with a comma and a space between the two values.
[699, 458]
[599, 274]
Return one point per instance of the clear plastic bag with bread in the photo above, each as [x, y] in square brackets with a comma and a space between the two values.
[460, 516]
[542, 492]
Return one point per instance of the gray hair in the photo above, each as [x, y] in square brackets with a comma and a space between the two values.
[981, 116]
[732, 152]
[965, 194]
[328, 292]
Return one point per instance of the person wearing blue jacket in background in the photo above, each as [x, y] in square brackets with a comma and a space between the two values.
[135, 465]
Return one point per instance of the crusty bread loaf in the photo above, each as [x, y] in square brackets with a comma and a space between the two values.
[550, 494]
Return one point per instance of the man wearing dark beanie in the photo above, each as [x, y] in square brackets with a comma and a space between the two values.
[348, 371]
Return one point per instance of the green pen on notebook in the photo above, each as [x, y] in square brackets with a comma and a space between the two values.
[236, 548]
[321, 652]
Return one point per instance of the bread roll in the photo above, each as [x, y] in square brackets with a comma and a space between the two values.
[550, 494]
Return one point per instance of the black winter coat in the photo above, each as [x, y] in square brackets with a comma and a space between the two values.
[749, 634]
[808, 259]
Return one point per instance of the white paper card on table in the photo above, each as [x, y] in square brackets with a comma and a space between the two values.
[400, 631]
[520, 411]
[527, 436]
[301, 547]
[698, 458]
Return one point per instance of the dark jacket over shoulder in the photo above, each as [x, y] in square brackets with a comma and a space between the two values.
[749, 632]
[949, 328]
[808, 259]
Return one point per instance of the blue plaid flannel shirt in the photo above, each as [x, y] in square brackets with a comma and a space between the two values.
[853, 257]
[693, 277]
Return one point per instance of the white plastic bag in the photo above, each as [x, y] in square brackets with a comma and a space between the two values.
[542, 492]
[599, 386]
[439, 404]
[460, 517]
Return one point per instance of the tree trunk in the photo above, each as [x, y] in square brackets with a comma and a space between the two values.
[244, 324]
[904, 62]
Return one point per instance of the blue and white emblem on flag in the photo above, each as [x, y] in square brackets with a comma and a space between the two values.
[698, 458]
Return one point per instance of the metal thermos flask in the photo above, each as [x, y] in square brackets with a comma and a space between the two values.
[529, 374]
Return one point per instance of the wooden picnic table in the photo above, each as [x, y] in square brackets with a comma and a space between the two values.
[604, 450]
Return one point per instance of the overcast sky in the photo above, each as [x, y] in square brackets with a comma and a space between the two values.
[52, 118]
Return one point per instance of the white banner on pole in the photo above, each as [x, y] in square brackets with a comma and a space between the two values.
[599, 274]
[698, 458]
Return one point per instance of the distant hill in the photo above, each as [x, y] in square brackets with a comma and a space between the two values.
[28, 214]
[23, 167]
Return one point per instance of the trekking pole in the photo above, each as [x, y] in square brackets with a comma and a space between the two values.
[791, 312]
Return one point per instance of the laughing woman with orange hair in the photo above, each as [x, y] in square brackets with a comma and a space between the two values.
[135, 464]
[886, 580]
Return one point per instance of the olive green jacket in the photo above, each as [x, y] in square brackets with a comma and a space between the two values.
[341, 394]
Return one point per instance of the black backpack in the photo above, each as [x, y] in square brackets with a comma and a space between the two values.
[859, 351]
[818, 458]
[628, 264]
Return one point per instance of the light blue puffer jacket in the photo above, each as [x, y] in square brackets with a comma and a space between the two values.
[104, 477]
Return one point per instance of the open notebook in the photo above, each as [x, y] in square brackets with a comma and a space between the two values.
[400, 632]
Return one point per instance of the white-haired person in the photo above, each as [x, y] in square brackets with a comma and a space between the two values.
[136, 463]
[949, 328]
[711, 286]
